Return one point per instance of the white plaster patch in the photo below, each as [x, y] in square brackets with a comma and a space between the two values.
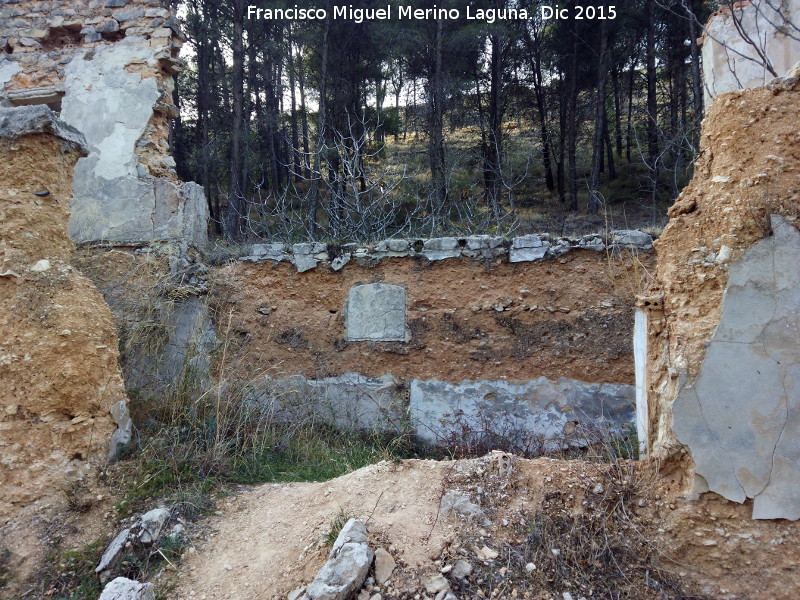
[741, 417]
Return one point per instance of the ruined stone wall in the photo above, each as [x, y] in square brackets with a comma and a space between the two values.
[722, 377]
[531, 334]
[59, 378]
[108, 66]
[475, 308]
[734, 59]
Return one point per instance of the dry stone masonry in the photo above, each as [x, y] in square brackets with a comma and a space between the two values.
[527, 248]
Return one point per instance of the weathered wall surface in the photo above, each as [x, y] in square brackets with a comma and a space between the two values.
[108, 67]
[387, 336]
[528, 340]
[722, 378]
[733, 61]
[59, 379]
[466, 318]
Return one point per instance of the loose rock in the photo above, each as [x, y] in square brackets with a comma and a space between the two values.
[122, 588]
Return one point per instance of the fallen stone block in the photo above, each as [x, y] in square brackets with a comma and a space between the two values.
[123, 588]
[347, 566]
[384, 566]
[151, 524]
[112, 552]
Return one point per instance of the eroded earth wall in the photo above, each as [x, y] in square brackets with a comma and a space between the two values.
[108, 66]
[59, 378]
[724, 376]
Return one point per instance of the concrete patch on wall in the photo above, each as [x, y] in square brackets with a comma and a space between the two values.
[350, 401]
[741, 417]
[376, 312]
[538, 415]
[535, 415]
[115, 197]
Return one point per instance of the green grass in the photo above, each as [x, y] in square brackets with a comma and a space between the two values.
[69, 574]
[337, 524]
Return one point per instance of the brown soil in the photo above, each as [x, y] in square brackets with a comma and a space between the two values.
[748, 169]
[58, 345]
[562, 318]
[267, 541]
[81, 513]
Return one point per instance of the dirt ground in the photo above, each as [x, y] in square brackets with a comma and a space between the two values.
[267, 541]
[570, 317]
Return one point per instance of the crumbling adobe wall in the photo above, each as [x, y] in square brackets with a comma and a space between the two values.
[59, 379]
[733, 61]
[723, 380]
[108, 66]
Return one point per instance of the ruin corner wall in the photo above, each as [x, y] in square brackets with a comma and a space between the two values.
[61, 389]
[724, 366]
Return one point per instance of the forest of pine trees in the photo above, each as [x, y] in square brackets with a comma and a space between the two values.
[342, 131]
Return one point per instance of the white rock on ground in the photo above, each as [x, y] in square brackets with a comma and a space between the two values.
[113, 550]
[347, 566]
[122, 588]
[460, 503]
[461, 570]
[152, 523]
[434, 583]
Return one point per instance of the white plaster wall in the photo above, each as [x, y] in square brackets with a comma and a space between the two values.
[731, 63]
[640, 367]
[115, 200]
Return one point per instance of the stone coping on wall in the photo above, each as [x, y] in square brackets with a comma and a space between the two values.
[308, 255]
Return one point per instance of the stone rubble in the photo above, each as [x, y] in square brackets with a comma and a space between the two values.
[347, 567]
[525, 248]
[144, 530]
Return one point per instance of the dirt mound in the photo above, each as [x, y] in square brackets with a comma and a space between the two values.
[58, 345]
[554, 514]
